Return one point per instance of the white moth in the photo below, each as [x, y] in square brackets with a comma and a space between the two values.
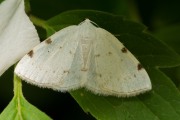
[84, 56]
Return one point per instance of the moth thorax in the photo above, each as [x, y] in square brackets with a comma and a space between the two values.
[86, 43]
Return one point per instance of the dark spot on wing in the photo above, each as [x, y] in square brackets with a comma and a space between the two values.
[70, 52]
[124, 50]
[30, 53]
[84, 69]
[100, 75]
[134, 75]
[66, 71]
[139, 66]
[48, 41]
[98, 55]
[60, 47]
[109, 53]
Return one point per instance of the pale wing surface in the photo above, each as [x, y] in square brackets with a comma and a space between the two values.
[113, 69]
[54, 62]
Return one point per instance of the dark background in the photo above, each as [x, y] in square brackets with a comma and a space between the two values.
[155, 14]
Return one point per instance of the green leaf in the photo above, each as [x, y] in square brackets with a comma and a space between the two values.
[112, 108]
[162, 103]
[19, 108]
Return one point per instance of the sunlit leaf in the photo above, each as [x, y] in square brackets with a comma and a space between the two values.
[19, 108]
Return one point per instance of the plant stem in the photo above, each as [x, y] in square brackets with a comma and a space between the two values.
[17, 86]
[27, 6]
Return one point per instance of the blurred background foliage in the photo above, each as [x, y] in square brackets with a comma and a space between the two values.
[161, 17]
[153, 13]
